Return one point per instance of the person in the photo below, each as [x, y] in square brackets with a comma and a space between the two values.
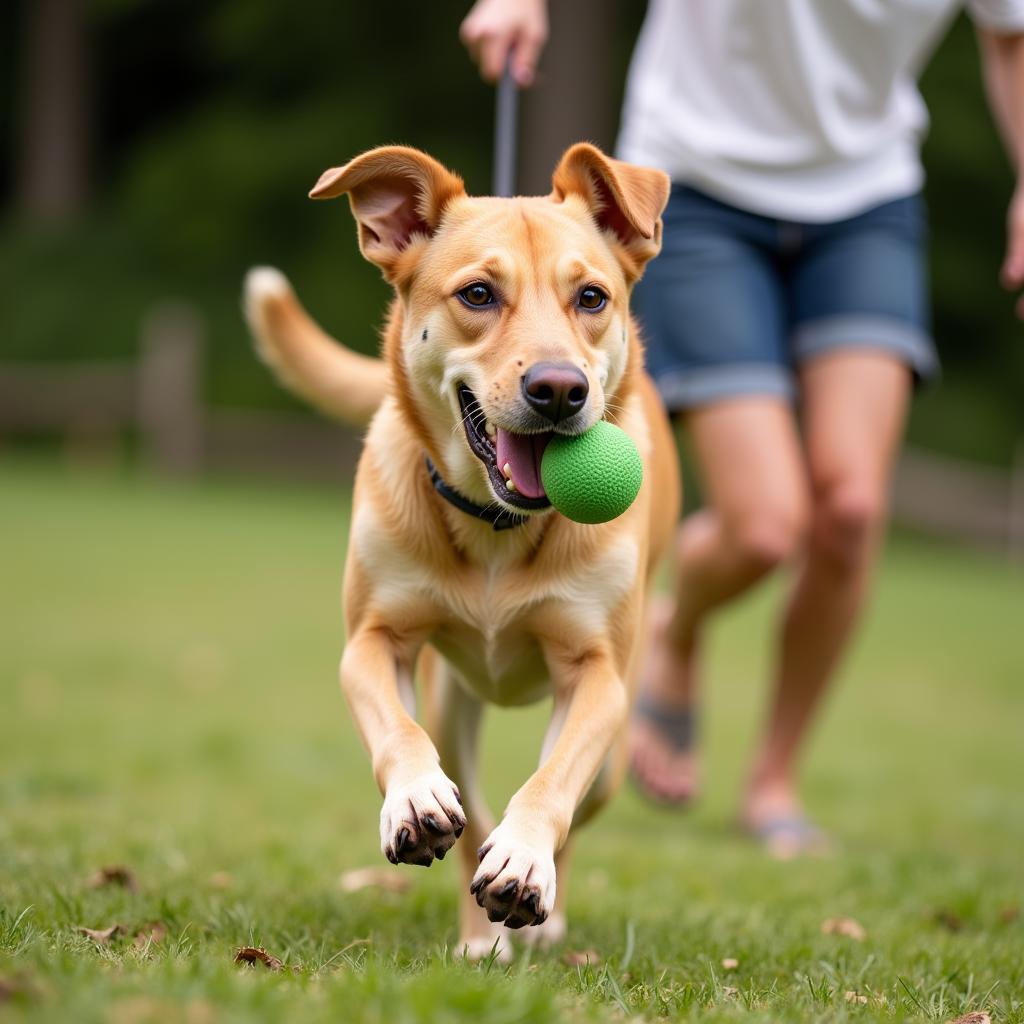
[786, 320]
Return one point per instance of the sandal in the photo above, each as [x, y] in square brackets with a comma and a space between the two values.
[678, 728]
[790, 836]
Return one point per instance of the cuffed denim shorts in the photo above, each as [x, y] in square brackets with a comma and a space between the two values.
[736, 302]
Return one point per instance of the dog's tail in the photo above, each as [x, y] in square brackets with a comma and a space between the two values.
[339, 382]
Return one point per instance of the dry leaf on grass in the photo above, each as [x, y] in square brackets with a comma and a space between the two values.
[151, 931]
[950, 921]
[114, 874]
[101, 936]
[730, 963]
[855, 997]
[373, 878]
[14, 987]
[976, 1017]
[729, 990]
[253, 954]
[580, 958]
[844, 926]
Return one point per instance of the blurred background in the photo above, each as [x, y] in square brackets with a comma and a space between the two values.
[152, 150]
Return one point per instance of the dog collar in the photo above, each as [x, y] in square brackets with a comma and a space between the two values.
[499, 518]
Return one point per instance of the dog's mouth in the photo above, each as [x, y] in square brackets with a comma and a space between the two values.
[512, 460]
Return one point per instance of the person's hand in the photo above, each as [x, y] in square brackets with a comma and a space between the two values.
[1012, 273]
[493, 29]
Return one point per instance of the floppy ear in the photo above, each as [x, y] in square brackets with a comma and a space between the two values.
[396, 192]
[623, 198]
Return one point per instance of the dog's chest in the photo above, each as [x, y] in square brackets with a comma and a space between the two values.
[502, 666]
[488, 619]
[493, 622]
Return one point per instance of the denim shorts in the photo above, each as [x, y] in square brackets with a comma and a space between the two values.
[736, 301]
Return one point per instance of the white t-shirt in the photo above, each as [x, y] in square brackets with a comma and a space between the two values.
[799, 109]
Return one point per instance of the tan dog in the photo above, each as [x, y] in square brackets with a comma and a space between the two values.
[510, 321]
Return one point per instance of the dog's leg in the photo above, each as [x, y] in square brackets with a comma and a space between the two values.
[601, 790]
[422, 814]
[515, 880]
[458, 719]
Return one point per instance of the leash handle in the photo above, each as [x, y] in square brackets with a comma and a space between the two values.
[505, 117]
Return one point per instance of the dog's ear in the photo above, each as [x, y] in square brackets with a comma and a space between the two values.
[623, 198]
[396, 193]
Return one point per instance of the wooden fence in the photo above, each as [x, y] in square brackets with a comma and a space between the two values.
[158, 398]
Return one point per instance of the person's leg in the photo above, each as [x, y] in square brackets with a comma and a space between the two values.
[748, 453]
[854, 407]
[713, 311]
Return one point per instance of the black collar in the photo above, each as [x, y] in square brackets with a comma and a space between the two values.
[499, 518]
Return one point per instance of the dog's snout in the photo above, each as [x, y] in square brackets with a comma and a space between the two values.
[555, 390]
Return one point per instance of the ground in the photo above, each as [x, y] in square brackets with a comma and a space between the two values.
[168, 702]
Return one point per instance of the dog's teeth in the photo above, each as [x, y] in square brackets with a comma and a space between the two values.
[511, 485]
[491, 429]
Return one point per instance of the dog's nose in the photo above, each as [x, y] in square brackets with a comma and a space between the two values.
[555, 390]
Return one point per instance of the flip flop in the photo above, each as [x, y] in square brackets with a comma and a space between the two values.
[790, 836]
[678, 728]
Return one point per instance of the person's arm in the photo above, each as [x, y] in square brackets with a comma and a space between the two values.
[494, 29]
[1003, 58]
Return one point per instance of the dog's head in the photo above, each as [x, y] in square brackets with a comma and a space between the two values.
[514, 313]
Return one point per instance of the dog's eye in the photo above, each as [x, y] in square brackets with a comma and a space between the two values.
[591, 299]
[477, 295]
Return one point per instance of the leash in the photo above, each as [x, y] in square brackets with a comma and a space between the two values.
[506, 112]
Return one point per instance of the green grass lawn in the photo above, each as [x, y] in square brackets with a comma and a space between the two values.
[168, 702]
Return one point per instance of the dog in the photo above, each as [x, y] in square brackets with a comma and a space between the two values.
[510, 323]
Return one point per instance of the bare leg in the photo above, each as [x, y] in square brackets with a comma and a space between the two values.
[749, 454]
[855, 404]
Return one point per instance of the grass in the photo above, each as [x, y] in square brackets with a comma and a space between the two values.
[168, 701]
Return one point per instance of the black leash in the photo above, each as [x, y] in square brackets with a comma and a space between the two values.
[505, 116]
[499, 518]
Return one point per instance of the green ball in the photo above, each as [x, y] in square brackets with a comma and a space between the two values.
[593, 477]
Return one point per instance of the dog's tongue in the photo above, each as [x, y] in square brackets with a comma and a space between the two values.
[522, 454]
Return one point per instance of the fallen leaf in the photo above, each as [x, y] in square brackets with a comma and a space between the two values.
[730, 963]
[580, 958]
[729, 990]
[140, 1010]
[12, 988]
[1009, 914]
[221, 880]
[976, 1017]
[374, 878]
[151, 931]
[950, 921]
[252, 954]
[844, 926]
[855, 997]
[101, 936]
[198, 1011]
[114, 874]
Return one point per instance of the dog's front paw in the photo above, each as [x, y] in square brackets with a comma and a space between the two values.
[515, 881]
[421, 820]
